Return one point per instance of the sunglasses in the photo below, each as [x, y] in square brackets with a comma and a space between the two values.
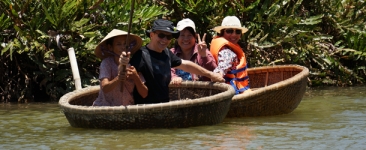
[230, 31]
[162, 35]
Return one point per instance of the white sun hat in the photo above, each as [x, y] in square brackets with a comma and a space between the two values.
[101, 51]
[230, 22]
[184, 23]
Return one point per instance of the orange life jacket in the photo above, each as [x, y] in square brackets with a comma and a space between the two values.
[238, 78]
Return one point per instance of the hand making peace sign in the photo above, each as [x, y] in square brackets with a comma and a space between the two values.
[202, 45]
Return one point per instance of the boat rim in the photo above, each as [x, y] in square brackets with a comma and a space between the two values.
[226, 93]
[277, 86]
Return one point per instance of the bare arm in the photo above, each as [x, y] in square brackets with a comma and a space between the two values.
[108, 85]
[141, 87]
[193, 68]
[139, 81]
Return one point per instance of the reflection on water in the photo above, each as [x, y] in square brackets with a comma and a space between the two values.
[327, 118]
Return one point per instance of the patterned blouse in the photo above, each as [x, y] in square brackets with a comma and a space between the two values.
[184, 75]
[227, 60]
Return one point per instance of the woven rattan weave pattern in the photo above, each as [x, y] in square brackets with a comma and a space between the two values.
[276, 90]
[194, 104]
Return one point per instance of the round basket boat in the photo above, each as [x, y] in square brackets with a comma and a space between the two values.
[192, 104]
[275, 90]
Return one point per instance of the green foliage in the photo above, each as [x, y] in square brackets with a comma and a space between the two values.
[326, 36]
[40, 32]
[4, 22]
[59, 12]
[310, 33]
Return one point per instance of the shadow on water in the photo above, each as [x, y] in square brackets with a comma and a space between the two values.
[327, 118]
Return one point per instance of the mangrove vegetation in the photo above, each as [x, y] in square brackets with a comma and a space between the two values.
[327, 36]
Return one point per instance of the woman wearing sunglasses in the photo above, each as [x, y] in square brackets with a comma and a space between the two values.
[154, 61]
[230, 57]
[186, 48]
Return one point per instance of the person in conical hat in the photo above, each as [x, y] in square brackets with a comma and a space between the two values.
[103, 51]
[110, 50]
[230, 57]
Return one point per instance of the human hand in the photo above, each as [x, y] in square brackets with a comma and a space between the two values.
[176, 80]
[124, 58]
[132, 73]
[217, 77]
[201, 46]
[123, 61]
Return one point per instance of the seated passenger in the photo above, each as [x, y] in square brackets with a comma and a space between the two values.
[230, 57]
[187, 49]
[155, 61]
[112, 77]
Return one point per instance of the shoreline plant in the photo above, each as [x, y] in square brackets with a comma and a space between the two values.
[326, 36]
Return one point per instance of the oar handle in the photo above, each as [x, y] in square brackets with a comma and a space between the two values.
[127, 40]
[123, 61]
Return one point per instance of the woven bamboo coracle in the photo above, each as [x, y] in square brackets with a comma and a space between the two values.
[192, 104]
[275, 90]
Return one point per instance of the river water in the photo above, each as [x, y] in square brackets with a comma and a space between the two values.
[326, 118]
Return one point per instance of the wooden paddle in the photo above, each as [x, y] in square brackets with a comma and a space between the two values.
[124, 65]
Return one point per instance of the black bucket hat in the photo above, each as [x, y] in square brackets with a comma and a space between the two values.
[163, 25]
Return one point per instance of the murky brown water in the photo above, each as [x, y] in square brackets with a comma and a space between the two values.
[327, 118]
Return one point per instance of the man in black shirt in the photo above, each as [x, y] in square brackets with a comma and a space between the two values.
[154, 62]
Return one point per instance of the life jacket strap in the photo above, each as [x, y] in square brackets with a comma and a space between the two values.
[242, 89]
[132, 44]
[237, 91]
[228, 79]
[237, 70]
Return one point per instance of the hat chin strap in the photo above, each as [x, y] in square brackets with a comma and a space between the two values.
[109, 52]
[132, 44]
